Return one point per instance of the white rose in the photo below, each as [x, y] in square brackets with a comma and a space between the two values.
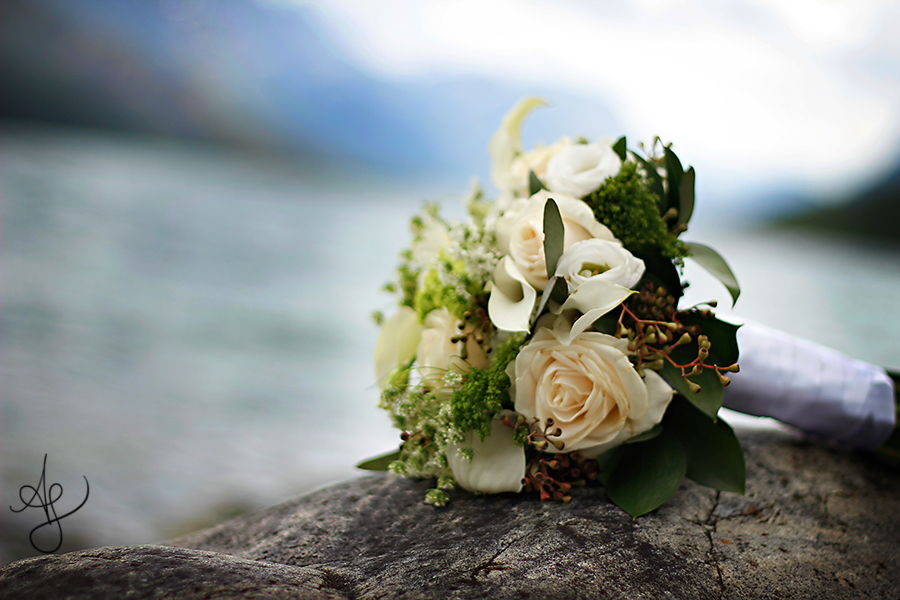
[498, 464]
[536, 160]
[397, 342]
[580, 169]
[520, 232]
[589, 388]
[599, 260]
[437, 353]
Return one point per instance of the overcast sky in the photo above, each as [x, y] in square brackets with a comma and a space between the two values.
[802, 92]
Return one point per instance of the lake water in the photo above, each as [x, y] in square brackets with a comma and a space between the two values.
[189, 329]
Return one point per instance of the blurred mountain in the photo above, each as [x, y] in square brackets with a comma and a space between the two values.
[257, 74]
[873, 213]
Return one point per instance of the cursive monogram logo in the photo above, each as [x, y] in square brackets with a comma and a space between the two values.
[43, 498]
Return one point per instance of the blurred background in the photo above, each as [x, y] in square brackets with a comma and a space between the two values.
[199, 203]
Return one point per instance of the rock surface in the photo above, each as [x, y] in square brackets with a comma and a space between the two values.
[815, 523]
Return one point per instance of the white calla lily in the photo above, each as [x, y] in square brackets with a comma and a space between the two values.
[397, 342]
[594, 298]
[498, 464]
[512, 298]
[506, 144]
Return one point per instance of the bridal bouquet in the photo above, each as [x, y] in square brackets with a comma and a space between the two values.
[539, 344]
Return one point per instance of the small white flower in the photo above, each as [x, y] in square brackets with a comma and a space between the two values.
[580, 169]
[588, 387]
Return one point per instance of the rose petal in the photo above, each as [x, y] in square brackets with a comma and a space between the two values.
[498, 465]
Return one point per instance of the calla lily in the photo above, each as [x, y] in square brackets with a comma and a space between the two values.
[506, 143]
[594, 298]
[512, 298]
[397, 342]
[498, 464]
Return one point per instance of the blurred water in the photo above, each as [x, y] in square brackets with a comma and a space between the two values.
[189, 329]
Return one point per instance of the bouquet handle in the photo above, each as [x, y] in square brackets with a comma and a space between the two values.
[819, 390]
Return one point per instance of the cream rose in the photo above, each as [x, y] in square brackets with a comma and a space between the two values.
[536, 160]
[580, 169]
[437, 352]
[588, 387]
[520, 232]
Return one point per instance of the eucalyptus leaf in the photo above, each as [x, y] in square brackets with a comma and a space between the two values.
[715, 456]
[620, 148]
[556, 288]
[379, 463]
[686, 197]
[648, 475]
[710, 260]
[554, 235]
[534, 184]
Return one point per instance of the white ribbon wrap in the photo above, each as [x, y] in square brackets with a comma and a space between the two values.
[814, 388]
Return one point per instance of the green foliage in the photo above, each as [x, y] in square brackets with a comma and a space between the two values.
[648, 474]
[484, 393]
[714, 264]
[715, 457]
[630, 209]
[379, 463]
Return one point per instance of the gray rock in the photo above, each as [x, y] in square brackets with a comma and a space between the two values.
[815, 523]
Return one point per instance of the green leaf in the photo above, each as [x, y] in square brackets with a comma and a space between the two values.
[722, 334]
[710, 260]
[647, 435]
[534, 184]
[648, 475]
[660, 270]
[557, 290]
[656, 182]
[715, 456]
[620, 148]
[379, 463]
[674, 174]
[686, 197]
[607, 462]
[708, 399]
[554, 234]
